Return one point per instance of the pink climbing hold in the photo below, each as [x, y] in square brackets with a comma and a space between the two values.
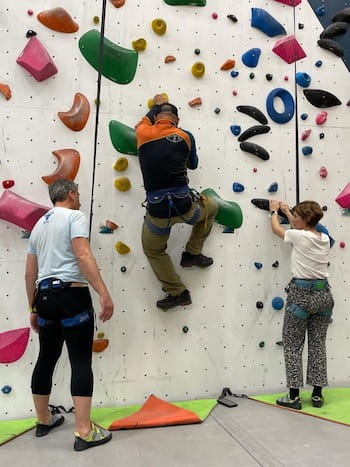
[305, 134]
[342, 244]
[35, 59]
[343, 199]
[20, 211]
[289, 2]
[321, 117]
[13, 344]
[289, 49]
[323, 172]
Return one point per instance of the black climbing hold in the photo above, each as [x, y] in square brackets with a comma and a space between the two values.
[253, 112]
[185, 329]
[275, 264]
[263, 203]
[342, 15]
[279, 343]
[321, 135]
[123, 269]
[253, 131]
[268, 76]
[233, 18]
[334, 29]
[197, 51]
[324, 208]
[30, 33]
[300, 26]
[217, 110]
[251, 75]
[255, 149]
[259, 305]
[320, 98]
[332, 46]
[262, 344]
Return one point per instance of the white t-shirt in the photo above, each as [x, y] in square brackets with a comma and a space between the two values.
[310, 254]
[51, 241]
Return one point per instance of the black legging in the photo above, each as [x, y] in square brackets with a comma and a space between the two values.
[53, 307]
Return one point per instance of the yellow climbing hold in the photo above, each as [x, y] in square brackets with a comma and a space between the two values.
[159, 26]
[122, 183]
[121, 164]
[122, 248]
[139, 45]
[198, 69]
[150, 102]
[100, 335]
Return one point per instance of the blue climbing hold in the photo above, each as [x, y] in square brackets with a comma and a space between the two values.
[306, 150]
[251, 57]
[288, 102]
[303, 79]
[228, 230]
[303, 116]
[258, 265]
[234, 73]
[321, 10]
[236, 129]
[262, 20]
[277, 303]
[237, 187]
[318, 63]
[6, 389]
[273, 187]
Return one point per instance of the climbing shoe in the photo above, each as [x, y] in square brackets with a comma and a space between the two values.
[43, 429]
[286, 401]
[317, 401]
[97, 436]
[170, 301]
[188, 260]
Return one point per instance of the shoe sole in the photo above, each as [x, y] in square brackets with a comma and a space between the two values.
[43, 430]
[281, 404]
[81, 445]
[188, 266]
[317, 404]
[166, 308]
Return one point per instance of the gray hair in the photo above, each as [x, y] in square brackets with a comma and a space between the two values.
[59, 189]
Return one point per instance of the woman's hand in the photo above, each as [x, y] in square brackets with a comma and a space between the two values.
[274, 205]
[284, 207]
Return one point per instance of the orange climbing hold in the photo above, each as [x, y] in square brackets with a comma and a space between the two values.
[68, 165]
[5, 89]
[58, 19]
[76, 118]
[118, 3]
[169, 58]
[195, 102]
[228, 65]
[99, 345]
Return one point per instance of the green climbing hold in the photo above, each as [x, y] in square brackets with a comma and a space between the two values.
[229, 213]
[117, 64]
[123, 138]
[186, 2]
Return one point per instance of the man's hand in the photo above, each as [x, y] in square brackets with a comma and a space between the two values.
[159, 99]
[107, 307]
[274, 205]
[34, 322]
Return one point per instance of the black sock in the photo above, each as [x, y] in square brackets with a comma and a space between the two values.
[293, 393]
[317, 391]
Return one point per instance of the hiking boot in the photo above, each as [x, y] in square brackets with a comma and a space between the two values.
[170, 301]
[286, 401]
[97, 436]
[317, 401]
[188, 260]
[43, 429]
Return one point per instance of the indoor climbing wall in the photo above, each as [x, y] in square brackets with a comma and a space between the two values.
[243, 77]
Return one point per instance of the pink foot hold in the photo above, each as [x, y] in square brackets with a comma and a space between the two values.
[20, 211]
[321, 117]
[305, 134]
[35, 59]
[289, 2]
[289, 49]
[323, 172]
[343, 199]
[13, 344]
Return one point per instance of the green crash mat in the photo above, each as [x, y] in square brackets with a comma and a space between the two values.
[10, 429]
[336, 407]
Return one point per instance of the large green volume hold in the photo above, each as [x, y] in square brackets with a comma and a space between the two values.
[229, 213]
[123, 138]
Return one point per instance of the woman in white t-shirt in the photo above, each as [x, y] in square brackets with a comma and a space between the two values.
[309, 304]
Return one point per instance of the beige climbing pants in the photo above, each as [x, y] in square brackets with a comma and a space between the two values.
[154, 245]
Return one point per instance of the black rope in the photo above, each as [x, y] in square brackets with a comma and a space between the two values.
[297, 165]
[98, 94]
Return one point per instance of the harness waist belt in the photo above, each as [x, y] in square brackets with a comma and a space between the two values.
[54, 284]
[314, 284]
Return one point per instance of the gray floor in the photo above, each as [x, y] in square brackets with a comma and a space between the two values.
[252, 434]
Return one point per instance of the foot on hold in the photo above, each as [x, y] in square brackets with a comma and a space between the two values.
[188, 260]
[97, 436]
[170, 301]
[286, 401]
[317, 401]
[43, 429]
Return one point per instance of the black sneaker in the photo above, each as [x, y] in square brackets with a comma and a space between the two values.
[97, 437]
[286, 401]
[317, 401]
[170, 301]
[188, 260]
[43, 429]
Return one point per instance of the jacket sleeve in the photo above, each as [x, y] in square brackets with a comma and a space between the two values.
[192, 162]
[149, 118]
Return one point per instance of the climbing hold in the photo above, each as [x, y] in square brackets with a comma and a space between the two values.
[332, 46]
[217, 110]
[6, 389]
[122, 248]
[321, 10]
[321, 135]
[111, 225]
[68, 161]
[13, 344]
[321, 117]
[259, 305]
[268, 76]
[253, 112]
[251, 57]
[118, 3]
[263, 203]
[258, 265]
[306, 150]
[280, 343]
[169, 58]
[99, 345]
[58, 19]
[289, 2]
[228, 64]
[342, 15]
[185, 329]
[229, 213]
[123, 138]
[323, 172]
[234, 73]
[277, 303]
[320, 98]
[334, 29]
[198, 69]
[214, 15]
[197, 51]
[20, 211]
[318, 64]
[100, 335]
[195, 102]
[25, 234]
[8, 183]
[186, 2]
[159, 26]
[255, 169]
[105, 230]
[266, 23]
[261, 344]
[30, 12]
[35, 59]
[228, 230]
[139, 45]
[237, 187]
[251, 75]
[121, 164]
[5, 90]
[235, 129]
[305, 134]
[234, 92]
[343, 199]
[233, 18]
[288, 102]
[30, 33]
[123, 269]
[300, 26]
[122, 183]
[117, 64]
[342, 244]
[304, 116]
[303, 79]
[275, 264]
[273, 187]
[255, 149]
[96, 19]
[253, 131]
[289, 49]
[76, 118]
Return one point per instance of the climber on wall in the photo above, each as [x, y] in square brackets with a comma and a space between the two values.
[165, 153]
[309, 303]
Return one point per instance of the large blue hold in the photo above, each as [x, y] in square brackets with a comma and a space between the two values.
[288, 102]
[251, 57]
[262, 20]
[303, 79]
[277, 303]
